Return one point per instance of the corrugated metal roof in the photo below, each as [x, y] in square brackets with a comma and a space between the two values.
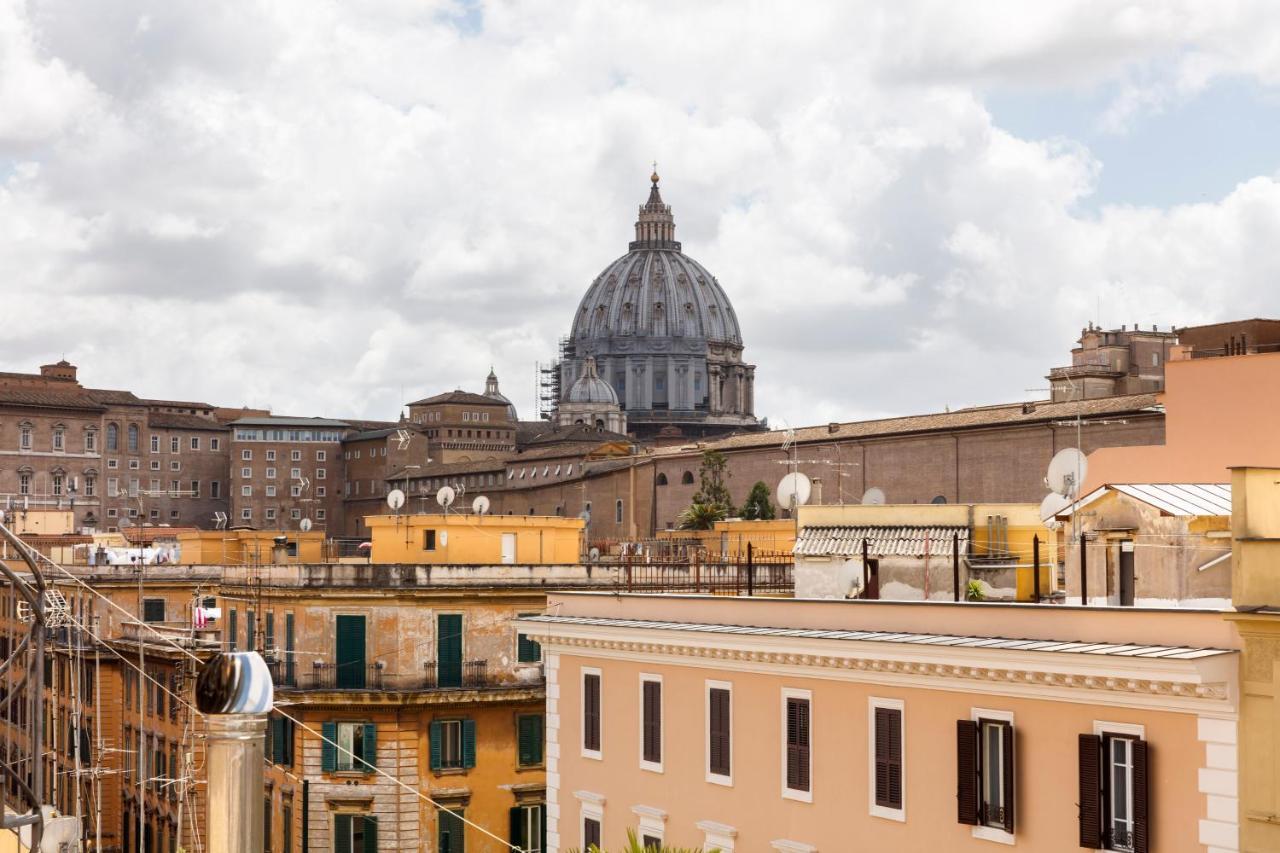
[1184, 499]
[897, 540]
[1010, 644]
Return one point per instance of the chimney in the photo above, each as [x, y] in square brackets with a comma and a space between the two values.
[817, 491]
[235, 693]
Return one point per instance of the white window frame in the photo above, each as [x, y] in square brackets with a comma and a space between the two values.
[246, 455]
[596, 754]
[790, 793]
[716, 778]
[1102, 728]
[590, 807]
[717, 836]
[246, 491]
[651, 766]
[653, 823]
[874, 702]
[991, 833]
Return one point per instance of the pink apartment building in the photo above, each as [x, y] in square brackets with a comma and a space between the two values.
[803, 726]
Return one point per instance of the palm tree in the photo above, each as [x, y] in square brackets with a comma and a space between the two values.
[700, 516]
[634, 846]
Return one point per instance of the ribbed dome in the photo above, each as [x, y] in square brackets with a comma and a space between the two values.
[655, 290]
[491, 391]
[590, 388]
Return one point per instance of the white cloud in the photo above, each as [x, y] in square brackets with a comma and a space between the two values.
[317, 205]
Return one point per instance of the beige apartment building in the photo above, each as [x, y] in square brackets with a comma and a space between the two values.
[285, 470]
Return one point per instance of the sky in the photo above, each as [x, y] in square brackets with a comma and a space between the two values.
[332, 208]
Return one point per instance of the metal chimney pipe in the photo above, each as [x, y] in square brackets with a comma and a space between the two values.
[235, 693]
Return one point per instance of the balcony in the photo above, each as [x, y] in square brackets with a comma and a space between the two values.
[1099, 369]
[470, 675]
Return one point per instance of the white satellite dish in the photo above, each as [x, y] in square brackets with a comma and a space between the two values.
[395, 499]
[793, 490]
[1053, 504]
[874, 496]
[1067, 471]
[445, 496]
[305, 524]
[480, 505]
[594, 554]
[585, 515]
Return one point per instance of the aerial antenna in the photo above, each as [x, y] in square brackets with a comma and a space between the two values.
[402, 439]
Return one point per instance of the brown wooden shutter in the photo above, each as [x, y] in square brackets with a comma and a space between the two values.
[591, 712]
[798, 744]
[1010, 785]
[1141, 802]
[967, 772]
[888, 757]
[719, 731]
[652, 701]
[1090, 791]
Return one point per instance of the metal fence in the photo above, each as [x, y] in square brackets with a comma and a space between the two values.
[470, 674]
[752, 573]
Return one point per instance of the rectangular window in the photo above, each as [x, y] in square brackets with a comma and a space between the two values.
[215, 489]
[527, 650]
[246, 472]
[355, 833]
[985, 785]
[271, 456]
[271, 513]
[91, 442]
[246, 491]
[797, 722]
[195, 442]
[321, 456]
[529, 828]
[529, 739]
[320, 473]
[720, 732]
[453, 744]
[448, 649]
[246, 455]
[155, 464]
[215, 444]
[174, 446]
[246, 514]
[153, 610]
[1114, 795]
[295, 455]
[590, 833]
[270, 473]
[155, 444]
[885, 748]
[321, 491]
[591, 713]
[349, 747]
[271, 491]
[195, 488]
[651, 722]
[450, 831]
[428, 540]
[231, 630]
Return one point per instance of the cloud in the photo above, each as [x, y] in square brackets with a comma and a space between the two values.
[332, 208]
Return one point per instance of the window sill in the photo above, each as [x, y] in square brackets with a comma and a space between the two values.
[593, 754]
[651, 767]
[799, 796]
[990, 833]
[449, 771]
[717, 779]
[899, 815]
[531, 768]
[347, 774]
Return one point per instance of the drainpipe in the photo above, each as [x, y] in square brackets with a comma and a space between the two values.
[235, 693]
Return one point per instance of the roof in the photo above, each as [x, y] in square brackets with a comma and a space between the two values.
[1181, 499]
[464, 397]
[577, 433]
[108, 397]
[179, 404]
[370, 433]
[568, 450]
[289, 422]
[896, 637]
[174, 420]
[528, 431]
[895, 540]
[444, 469]
[72, 397]
[1001, 415]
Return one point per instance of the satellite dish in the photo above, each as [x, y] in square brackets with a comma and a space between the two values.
[873, 496]
[480, 505]
[594, 554]
[395, 499]
[585, 515]
[1067, 471]
[445, 496]
[305, 524]
[793, 490]
[1053, 504]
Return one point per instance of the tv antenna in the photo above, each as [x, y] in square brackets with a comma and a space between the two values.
[403, 436]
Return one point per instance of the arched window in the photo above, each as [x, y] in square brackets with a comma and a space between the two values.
[687, 478]
[617, 511]
[662, 479]
[133, 438]
[113, 437]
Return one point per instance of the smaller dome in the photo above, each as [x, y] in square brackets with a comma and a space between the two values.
[491, 391]
[590, 388]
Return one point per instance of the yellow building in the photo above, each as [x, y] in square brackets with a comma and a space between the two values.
[455, 539]
[250, 547]
[910, 551]
[729, 538]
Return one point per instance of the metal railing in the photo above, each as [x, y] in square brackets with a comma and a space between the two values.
[332, 676]
[761, 573]
[467, 675]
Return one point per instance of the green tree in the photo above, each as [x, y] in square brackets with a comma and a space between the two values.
[711, 479]
[701, 516]
[758, 507]
[634, 846]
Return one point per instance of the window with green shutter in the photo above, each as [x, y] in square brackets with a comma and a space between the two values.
[349, 747]
[153, 610]
[453, 744]
[250, 631]
[232, 628]
[529, 739]
[529, 828]
[353, 833]
[349, 653]
[449, 650]
[527, 650]
[450, 832]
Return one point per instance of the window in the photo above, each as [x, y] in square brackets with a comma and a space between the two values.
[134, 488]
[246, 473]
[113, 487]
[295, 455]
[24, 483]
[271, 491]
[195, 442]
[349, 747]
[195, 488]
[450, 831]
[590, 833]
[24, 437]
[215, 444]
[527, 650]
[321, 456]
[985, 774]
[246, 514]
[651, 722]
[617, 511]
[246, 455]
[529, 828]
[720, 732]
[175, 465]
[321, 491]
[155, 444]
[295, 473]
[591, 712]
[155, 465]
[113, 437]
[57, 482]
[279, 746]
[355, 833]
[113, 463]
[428, 540]
[270, 473]
[295, 491]
[90, 485]
[295, 514]
[271, 514]
[885, 747]
[1114, 796]
[153, 610]
[661, 480]
[796, 725]
[133, 465]
[320, 515]
[90, 441]
[174, 445]
[453, 744]
[529, 739]
[320, 473]
[175, 486]
[246, 491]
[215, 489]
[59, 438]
[271, 456]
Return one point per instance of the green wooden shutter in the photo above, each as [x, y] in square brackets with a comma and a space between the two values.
[329, 749]
[271, 630]
[450, 837]
[529, 737]
[468, 743]
[516, 820]
[349, 654]
[277, 740]
[1010, 783]
[370, 834]
[1090, 792]
[967, 802]
[288, 648]
[232, 629]
[288, 741]
[370, 747]
[250, 628]
[542, 822]
[449, 650]
[341, 832]
[1141, 797]
[436, 736]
